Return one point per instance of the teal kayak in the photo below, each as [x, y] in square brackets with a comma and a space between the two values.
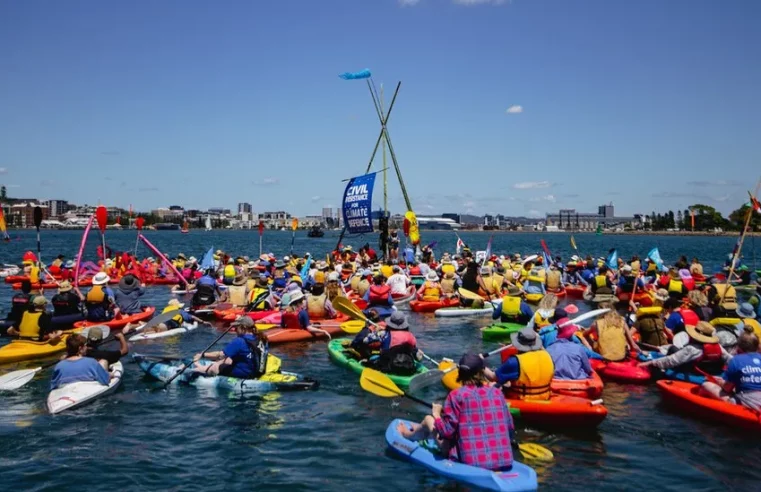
[500, 332]
[519, 478]
[337, 349]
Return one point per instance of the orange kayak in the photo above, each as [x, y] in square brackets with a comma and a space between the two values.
[685, 397]
[121, 322]
[558, 293]
[431, 306]
[575, 291]
[583, 388]
[286, 335]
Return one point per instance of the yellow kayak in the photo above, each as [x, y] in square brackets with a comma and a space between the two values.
[534, 298]
[22, 350]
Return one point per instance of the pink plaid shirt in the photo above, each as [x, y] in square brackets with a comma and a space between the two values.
[478, 424]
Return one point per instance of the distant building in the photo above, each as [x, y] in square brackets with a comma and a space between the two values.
[245, 208]
[22, 214]
[56, 208]
[219, 211]
[327, 213]
[569, 219]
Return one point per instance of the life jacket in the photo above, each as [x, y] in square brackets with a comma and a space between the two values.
[379, 295]
[237, 295]
[730, 297]
[97, 304]
[675, 287]
[178, 318]
[333, 290]
[362, 287]
[96, 295]
[290, 320]
[651, 326]
[431, 291]
[553, 280]
[689, 317]
[611, 340]
[710, 360]
[354, 283]
[497, 281]
[65, 304]
[316, 306]
[402, 337]
[541, 321]
[229, 272]
[447, 286]
[511, 306]
[254, 294]
[488, 284]
[600, 285]
[447, 268]
[20, 304]
[387, 271]
[726, 323]
[415, 270]
[34, 275]
[535, 281]
[536, 372]
[30, 325]
[204, 295]
[399, 357]
[636, 267]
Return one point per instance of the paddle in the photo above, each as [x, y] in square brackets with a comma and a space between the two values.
[294, 226]
[139, 225]
[434, 376]
[184, 367]
[381, 385]
[16, 379]
[101, 215]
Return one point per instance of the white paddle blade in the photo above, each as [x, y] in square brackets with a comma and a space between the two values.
[16, 379]
[425, 380]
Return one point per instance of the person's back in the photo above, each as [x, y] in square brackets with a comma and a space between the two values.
[206, 289]
[83, 369]
[20, 303]
[129, 301]
[241, 350]
[98, 303]
[650, 325]
[398, 283]
[570, 360]
[611, 339]
[65, 304]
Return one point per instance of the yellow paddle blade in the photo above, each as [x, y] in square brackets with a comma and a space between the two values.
[379, 384]
[532, 451]
[450, 378]
[468, 294]
[265, 326]
[345, 306]
[353, 327]
[273, 364]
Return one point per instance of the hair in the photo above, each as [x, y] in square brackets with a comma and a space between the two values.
[672, 304]
[478, 379]
[612, 318]
[318, 289]
[373, 315]
[748, 341]
[26, 286]
[73, 344]
[379, 279]
[549, 301]
[697, 298]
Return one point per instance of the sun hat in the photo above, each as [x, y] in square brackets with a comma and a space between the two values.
[279, 265]
[175, 303]
[39, 301]
[662, 295]
[470, 365]
[239, 280]
[745, 310]
[702, 332]
[100, 278]
[192, 260]
[397, 321]
[513, 291]
[95, 334]
[627, 268]
[697, 298]
[319, 277]
[285, 300]
[567, 331]
[485, 270]
[333, 277]
[243, 321]
[432, 276]
[64, 286]
[230, 261]
[69, 264]
[322, 265]
[181, 256]
[295, 297]
[297, 279]
[128, 282]
[526, 340]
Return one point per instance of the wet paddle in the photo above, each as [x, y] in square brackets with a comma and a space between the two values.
[294, 226]
[101, 215]
[37, 223]
[184, 367]
[379, 384]
[139, 225]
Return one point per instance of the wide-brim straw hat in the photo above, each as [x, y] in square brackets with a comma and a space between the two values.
[703, 332]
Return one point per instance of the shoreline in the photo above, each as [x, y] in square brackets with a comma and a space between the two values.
[611, 233]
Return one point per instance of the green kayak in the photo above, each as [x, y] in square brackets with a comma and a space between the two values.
[500, 332]
[338, 354]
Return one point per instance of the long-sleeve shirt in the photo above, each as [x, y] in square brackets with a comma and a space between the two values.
[84, 369]
[570, 359]
[689, 353]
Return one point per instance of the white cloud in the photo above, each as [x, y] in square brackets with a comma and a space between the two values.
[514, 109]
[545, 198]
[534, 213]
[266, 181]
[479, 2]
[532, 185]
[3, 170]
[408, 3]
[316, 198]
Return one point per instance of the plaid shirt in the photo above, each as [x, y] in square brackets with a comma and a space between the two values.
[477, 422]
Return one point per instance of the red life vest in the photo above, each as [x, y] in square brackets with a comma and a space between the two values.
[379, 294]
[415, 270]
[402, 338]
[711, 353]
[290, 320]
[689, 317]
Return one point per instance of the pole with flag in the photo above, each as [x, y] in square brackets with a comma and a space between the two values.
[739, 245]
[261, 233]
[294, 226]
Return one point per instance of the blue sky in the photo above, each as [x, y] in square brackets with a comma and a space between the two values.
[651, 104]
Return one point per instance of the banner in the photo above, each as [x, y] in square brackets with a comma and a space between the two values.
[358, 202]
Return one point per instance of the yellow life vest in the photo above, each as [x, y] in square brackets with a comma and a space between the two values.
[34, 275]
[553, 280]
[601, 281]
[256, 292]
[652, 267]
[511, 306]
[30, 325]
[229, 272]
[488, 284]
[496, 282]
[96, 295]
[649, 311]
[536, 372]
[169, 309]
[730, 297]
[636, 267]
[354, 282]
[237, 295]
[611, 341]
[431, 291]
[386, 271]
[727, 323]
[524, 274]
[540, 321]
[362, 287]
[675, 286]
[753, 324]
[447, 268]
[316, 306]
[447, 286]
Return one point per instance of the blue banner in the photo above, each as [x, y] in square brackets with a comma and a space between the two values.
[362, 74]
[358, 202]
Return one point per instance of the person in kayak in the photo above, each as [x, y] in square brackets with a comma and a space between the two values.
[128, 294]
[99, 301]
[260, 298]
[367, 341]
[398, 349]
[741, 381]
[527, 375]
[67, 305]
[747, 314]
[36, 323]
[105, 357]
[569, 359]
[295, 316]
[379, 293]
[207, 290]
[513, 308]
[318, 304]
[245, 357]
[76, 367]
[613, 340]
[474, 426]
[177, 321]
[237, 292]
[601, 284]
[20, 303]
[398, 281]
[430, 290]
[702, 351]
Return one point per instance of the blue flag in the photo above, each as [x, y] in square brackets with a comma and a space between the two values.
[655, 255]
[547, 261]
[613, 260]
[358, 202]
[207, 262]
[362, 74]
[305, 270]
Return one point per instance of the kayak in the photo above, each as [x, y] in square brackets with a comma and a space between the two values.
[686, 398]
[232, 314]
[575, 291]
[560, 293]
[401, 299]
[276, 316]
[627, 371]
[186, 327]
[383, 311]
[534, 298]
[21, 350]
[559, 410]
[37, 286]
[431, 306]
[519, 478]
[336, 351]
[76, 394]
[286, 335]
[674, 374]
[590, 388]
[164, 370]
[644, 299]
[500, 331]
[458, 312]
[417, 280]
[121, 322]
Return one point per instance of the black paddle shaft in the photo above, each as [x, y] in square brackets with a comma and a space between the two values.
[37, 222]
[204, 351]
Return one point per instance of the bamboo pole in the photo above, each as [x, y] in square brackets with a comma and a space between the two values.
[736, 256]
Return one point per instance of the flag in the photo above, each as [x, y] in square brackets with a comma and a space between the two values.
[546, 262]
[655, 255]
[362, 74]
[692, 218]
[207, 262]
[304, 273]
[573, 243]
[261, 228]
[488, 249]
[613, 259]
[755, 205]
[459, 246]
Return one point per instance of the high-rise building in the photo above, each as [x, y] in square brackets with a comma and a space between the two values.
[57, 208]
[244, 208]
[327, 213]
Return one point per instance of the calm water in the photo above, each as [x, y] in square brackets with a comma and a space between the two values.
[332, 438]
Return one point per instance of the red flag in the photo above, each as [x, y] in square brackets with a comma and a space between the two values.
[755, 204]
[261, 227]
[130, 210]
[119, 219]
[139, 223]
[101, 215]
[692, 218]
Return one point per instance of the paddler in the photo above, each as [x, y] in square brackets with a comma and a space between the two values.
[398, 282]
[741, 381]
[260, 297]
[696, 269]
[333, 288]
[474, 426]
[95, 338]
[229, 273]
[368, 341]
[379, 294]
[527, 375]
[722, 298]
[554, 279]
[207, 290]
[601, 284]
[177, 321]
[237, 293]
[430, 290]
[76, 367]
[613, 340]
[295, 316]
[128, 294]
[67, 305]
[449, 285]
[99, 301]
[245, 357]
[20, 303]
[702, 351]
[398, 349]
[513, 308]
[569, 359]
[318, 304]
[36, 323]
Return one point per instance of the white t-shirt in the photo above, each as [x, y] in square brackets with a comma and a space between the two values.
[398, 283]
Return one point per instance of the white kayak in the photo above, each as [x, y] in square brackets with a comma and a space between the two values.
[74, 395]
[186, 327]
[181, 292]
[461, 312]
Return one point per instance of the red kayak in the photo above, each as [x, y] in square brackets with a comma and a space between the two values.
[46, 285]
[644, 299]
[575, 291]
[286, 335]
[558, 293]
[120, 322]
[686, 397]
[627, 371]
[583, 388]
[406, 297]
[431, 306]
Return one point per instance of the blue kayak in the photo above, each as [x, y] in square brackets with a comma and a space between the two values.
[383, 311]
[520, 478]
[673, 374]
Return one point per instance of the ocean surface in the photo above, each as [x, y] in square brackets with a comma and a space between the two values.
[333, 438]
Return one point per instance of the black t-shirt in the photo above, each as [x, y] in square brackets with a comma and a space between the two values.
[112, 356]
[20, 304]
[65, 303]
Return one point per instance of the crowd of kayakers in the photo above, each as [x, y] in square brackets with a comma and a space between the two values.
[674, 321]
